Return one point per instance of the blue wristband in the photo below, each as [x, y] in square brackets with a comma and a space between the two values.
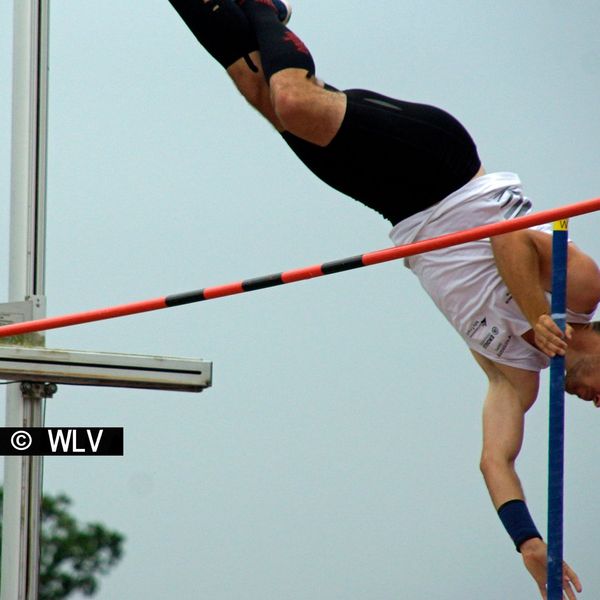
[518, 522]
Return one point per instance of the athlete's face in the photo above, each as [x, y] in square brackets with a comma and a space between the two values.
[583, 379]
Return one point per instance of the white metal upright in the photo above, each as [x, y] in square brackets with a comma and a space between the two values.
[23, 474]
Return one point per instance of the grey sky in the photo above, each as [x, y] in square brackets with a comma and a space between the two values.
[337, 455]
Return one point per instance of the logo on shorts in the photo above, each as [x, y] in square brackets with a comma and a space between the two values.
[487, 340]
[476, 326]
[500, 349]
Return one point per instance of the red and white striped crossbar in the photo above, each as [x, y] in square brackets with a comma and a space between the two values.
[327, 268]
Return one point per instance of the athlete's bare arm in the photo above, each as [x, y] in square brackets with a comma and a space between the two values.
[510, 394]
[524, 261]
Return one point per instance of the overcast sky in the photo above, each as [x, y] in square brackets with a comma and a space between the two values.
[336, 456]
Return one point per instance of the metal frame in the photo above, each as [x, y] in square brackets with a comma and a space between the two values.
[104, 369]
[27, 360]
[23, 474]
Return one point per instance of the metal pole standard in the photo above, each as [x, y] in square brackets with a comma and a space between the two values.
[23, 474]
[328, 268]
[556, 436]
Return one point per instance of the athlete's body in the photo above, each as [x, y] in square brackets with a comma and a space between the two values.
[375, 149]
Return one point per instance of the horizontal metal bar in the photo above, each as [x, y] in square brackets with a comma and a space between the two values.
[104, 369]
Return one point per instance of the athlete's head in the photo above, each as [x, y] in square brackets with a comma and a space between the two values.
[583, 378]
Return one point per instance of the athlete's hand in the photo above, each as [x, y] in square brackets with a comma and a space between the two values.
[534, 554]
[549, 338]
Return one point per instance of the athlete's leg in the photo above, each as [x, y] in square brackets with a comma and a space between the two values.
[253, 87]
[224, 31]
[395, 157]
[220, 26]
[303, 107]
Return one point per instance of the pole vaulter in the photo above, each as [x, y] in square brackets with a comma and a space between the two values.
[327, 268]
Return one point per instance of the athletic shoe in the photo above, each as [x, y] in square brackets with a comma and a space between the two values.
[282, 7]
[284, 10]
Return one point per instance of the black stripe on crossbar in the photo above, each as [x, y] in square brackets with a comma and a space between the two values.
[259, 283]
[345, 264]
[185, 298]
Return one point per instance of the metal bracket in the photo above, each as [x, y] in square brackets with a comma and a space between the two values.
[34, 391]
[34, 307]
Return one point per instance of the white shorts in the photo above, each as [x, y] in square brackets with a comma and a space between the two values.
[463, 280]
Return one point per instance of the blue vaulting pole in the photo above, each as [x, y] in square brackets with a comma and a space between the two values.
[556, 436]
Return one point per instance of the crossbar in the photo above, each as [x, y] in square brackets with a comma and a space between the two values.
[327, 268]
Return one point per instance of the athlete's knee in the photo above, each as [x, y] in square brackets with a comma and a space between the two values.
[256, 95]
[248, 82]
[247, 76]
[292, 97]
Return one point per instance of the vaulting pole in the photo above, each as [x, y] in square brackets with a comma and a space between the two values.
[557, 416]
[328, 268]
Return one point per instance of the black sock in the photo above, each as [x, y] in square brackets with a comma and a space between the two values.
[279, 47]
[220, 26]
